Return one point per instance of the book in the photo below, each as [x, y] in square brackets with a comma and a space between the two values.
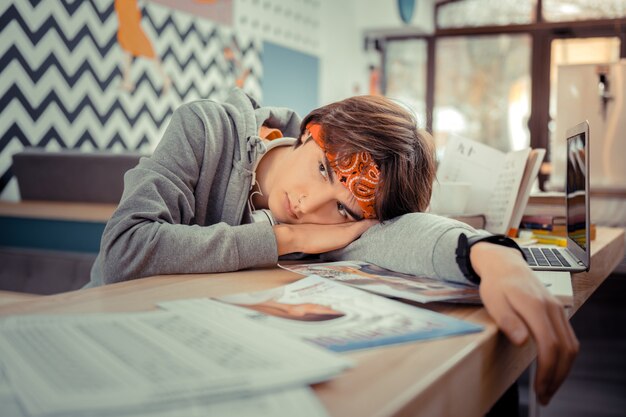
[500, 181]
[546, 221]
[331, 315]
[373, 278]
[550, 223]
[546, 239]
[547, 198]
[552, 226]
[546, 204]
[477, 221]
[559, 231]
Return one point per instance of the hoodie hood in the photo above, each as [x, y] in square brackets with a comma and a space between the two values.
[248, 118]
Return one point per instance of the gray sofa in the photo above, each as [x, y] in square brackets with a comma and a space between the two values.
[71, 175]
[67, 175]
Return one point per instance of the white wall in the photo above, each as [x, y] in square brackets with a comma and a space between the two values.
[342, 65]
[384, 15]
[343, 61]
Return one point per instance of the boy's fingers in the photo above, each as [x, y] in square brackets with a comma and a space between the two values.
[508, 321]
[522, 307]
[531, 307]
[569, 349]
[505, 315]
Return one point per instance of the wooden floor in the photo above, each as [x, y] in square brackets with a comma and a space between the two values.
[596, 386]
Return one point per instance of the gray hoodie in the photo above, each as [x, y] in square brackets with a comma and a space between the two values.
[183, 207]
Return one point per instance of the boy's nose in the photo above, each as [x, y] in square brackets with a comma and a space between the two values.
[308, 204]
[300, 204]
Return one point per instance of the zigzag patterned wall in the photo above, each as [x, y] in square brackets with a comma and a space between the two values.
[61, 76]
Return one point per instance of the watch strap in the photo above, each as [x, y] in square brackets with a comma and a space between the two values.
[464, 247]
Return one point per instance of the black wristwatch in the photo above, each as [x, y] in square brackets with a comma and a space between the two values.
[465, 244]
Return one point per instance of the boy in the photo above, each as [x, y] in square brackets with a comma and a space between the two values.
[353, 185]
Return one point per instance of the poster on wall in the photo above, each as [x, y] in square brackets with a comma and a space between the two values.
[218, 11]
[108, 74]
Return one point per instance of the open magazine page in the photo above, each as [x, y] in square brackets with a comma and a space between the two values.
[59, 364]
[533, 164]
[333, 315]
[503, 196]
[373, 278]
[495, 179]
[465, 160]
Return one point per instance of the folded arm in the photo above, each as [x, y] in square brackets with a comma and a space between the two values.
[165, 223]
[416, 243]
[521, 306]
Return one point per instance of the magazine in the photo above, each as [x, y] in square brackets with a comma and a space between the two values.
[332, 315]
[501, 182]
[373, 278]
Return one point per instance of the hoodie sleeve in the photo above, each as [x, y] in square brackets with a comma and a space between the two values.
[416, 243]
[154, 230]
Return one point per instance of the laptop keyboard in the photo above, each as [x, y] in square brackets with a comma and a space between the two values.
[544, 257]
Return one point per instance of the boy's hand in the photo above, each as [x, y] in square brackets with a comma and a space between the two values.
[521, 306]
[318, 238]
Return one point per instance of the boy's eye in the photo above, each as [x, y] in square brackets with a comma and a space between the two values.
[342, 209]
[322, 170]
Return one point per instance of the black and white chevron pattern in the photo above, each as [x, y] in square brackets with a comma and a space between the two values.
[61, 71]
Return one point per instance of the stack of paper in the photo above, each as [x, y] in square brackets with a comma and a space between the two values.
[130, 363]
[284, 403]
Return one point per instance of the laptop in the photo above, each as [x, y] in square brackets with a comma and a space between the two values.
[576, 257]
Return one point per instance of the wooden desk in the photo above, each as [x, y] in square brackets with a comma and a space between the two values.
[455, 376]
[10, 297]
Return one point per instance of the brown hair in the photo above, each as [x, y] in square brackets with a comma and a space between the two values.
[404, 154]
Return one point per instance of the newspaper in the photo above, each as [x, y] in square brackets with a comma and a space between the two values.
[286, 403]
[9, 405]
[373, 278]
[59, 364]
[332, 315]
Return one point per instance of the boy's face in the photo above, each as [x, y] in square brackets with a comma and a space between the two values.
[307, 190]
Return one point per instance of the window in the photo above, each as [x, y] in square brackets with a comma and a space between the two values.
[490, 65]
[474, 13]
[579, 51]
[568, 10]
[405, 70]
[482, 90]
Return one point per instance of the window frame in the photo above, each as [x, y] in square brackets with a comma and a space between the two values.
[542, 34]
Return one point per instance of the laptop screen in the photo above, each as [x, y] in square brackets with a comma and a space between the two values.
[576, 195]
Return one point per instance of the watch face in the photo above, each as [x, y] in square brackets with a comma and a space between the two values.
[406, 9]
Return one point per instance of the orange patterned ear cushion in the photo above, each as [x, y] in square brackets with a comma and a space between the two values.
[357, 172]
